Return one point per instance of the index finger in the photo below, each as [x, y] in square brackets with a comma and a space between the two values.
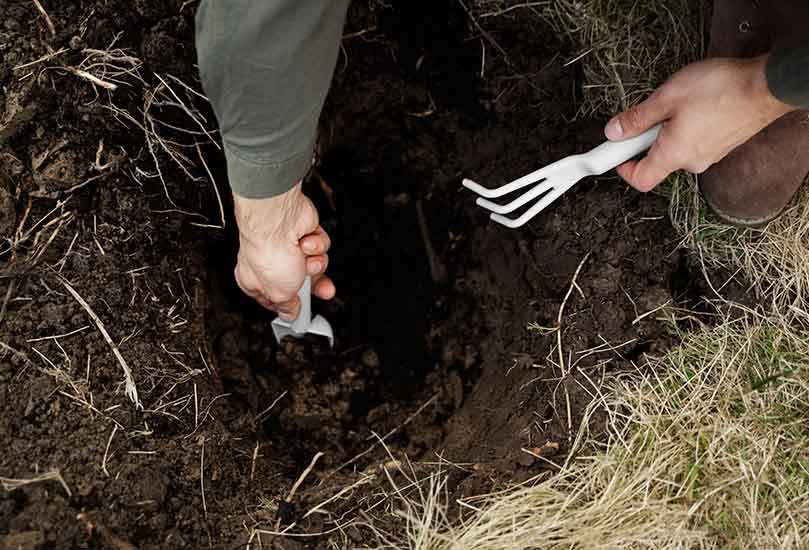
[647, 173]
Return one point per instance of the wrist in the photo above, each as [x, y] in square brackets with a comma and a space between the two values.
[262, 219]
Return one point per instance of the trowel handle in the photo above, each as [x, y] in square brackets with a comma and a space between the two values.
[304, 320]
[608, 155]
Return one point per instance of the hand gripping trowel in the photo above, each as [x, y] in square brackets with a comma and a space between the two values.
[304, 324]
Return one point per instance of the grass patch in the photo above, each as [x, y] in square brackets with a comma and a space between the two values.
[627, 47]
[710, 448]
[772, 260]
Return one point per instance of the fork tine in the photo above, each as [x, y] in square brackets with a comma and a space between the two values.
[525, 198]
[519, 183]
[514, 223]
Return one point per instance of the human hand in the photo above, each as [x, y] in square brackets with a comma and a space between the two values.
[708, 109]
[280, 242]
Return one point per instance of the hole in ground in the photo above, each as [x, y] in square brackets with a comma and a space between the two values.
[383, 366]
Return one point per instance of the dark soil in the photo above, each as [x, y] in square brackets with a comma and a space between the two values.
[437, 356]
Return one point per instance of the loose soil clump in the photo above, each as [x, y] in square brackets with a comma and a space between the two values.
[433, 355]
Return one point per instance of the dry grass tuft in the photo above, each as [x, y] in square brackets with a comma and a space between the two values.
[627, 47]
[772, 260]
[12, 484]
[709, 448]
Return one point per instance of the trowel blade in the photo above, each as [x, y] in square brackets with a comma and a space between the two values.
[319, 327]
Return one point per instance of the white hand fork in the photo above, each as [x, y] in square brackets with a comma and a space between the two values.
[304, 324]
[553, 180]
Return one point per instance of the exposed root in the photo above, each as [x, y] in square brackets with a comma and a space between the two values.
[10, 484]
[46, 17]
[131, 389]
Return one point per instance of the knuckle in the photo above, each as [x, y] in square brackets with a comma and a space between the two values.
[244, 280]
[635, 118]
[642, 184]
[698, 167]
[647, 186]
[309, 217]
[663, 94]
[277, 296]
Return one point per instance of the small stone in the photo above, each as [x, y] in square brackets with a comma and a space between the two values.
[354, 534]
[27, 540]
[286, 513]
[396, 201]
[370, 359]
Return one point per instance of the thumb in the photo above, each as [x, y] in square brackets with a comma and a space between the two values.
[638, 119]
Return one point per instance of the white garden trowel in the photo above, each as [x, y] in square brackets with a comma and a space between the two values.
[304, 324]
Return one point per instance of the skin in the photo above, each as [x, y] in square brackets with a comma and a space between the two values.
[708, 109]
[280, 242]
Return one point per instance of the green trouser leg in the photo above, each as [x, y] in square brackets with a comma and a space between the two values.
[266, 66]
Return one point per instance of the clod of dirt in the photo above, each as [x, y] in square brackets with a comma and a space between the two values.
[27, 540]
[18, 111]
[370, 359]
[60, 166]
[163, 44]
[7, 214]
[11, 169]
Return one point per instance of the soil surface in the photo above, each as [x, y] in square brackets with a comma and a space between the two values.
[433, 355]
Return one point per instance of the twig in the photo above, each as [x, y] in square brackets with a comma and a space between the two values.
[196, 408]
[92, 78]
[10, 484]
[216, 192]
[57, 336]
[202, 477]
[359, 34]
[107, 451]
[438, 272]
[45, 15]
[40, 60]
[389, 434]
[503, 11]
[253, 465]
[261, 415]
[6, 299]
[362, 481]
[15, 352]
[639, 318]
[302, 477]
[562, 311]
[187, 111]
[63, 192]
[131, 389]
[485, 34]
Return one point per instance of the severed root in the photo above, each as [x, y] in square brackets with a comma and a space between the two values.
[437, 270]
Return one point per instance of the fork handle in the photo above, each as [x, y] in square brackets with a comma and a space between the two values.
[608, 155]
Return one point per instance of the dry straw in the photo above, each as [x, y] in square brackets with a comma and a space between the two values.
[627, 47]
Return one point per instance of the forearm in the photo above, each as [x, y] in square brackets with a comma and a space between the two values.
[788, 73]
[266, 67]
